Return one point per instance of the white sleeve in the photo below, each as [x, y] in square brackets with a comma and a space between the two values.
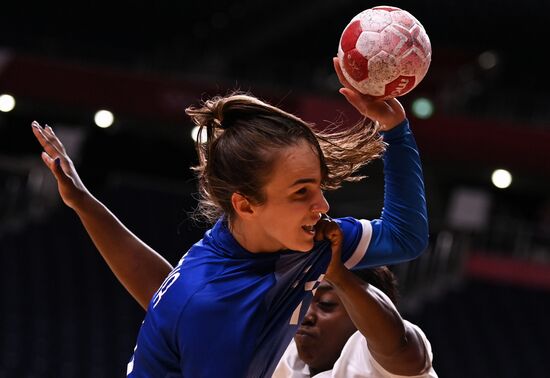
[361, 248]
[429, 370]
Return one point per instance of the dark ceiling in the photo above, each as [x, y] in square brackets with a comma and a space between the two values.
[283, 43]
[286, 46]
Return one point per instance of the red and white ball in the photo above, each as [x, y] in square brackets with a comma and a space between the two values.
[384, 52]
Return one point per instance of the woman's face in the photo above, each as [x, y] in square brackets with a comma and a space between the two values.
[324, 330]
[294, 201]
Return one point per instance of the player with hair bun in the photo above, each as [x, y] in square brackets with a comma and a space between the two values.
[236, 298]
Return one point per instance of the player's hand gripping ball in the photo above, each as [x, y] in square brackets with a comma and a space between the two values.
[384, 52]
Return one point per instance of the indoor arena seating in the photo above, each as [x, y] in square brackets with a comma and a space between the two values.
[65, 315]
[482, 295]
[484, 329]
[63, 312]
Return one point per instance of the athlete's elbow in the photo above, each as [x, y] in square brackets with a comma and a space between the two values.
[412, 237]
[416, 244]
[420, 246]
[422, 241]
[421, 237]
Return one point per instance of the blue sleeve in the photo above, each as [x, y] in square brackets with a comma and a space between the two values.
[401, 233]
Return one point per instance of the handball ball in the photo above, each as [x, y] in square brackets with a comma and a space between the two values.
[384, 52]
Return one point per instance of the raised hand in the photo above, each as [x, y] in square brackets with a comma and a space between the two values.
[70, 187]
[389, 113]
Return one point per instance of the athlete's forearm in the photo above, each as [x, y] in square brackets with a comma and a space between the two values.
[401, 234]
[392, 343]
[370, 311]
[138, 267]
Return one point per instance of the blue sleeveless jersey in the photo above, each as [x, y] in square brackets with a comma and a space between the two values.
[226, 312]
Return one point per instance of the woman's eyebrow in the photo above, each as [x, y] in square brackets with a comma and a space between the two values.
[303, 181]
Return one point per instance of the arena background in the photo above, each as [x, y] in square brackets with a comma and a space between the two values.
[480, 291]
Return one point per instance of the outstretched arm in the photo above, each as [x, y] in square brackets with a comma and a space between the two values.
[401, 233]
[393, 343]
[138, 267]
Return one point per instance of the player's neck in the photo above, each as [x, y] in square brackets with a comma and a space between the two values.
[251, 237]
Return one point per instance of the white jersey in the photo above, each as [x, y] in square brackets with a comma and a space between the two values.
[355, 361]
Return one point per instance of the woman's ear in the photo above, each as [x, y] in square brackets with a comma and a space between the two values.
[242, 206]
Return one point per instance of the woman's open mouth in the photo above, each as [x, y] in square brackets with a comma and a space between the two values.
[310, 229]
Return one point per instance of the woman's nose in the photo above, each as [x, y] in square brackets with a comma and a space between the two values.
[321, 204]
[310, 317]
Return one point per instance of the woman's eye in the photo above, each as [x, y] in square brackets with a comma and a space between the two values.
[326, 305]
[301, 191]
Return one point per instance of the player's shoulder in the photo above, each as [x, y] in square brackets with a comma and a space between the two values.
[353, 229]
[347, 223]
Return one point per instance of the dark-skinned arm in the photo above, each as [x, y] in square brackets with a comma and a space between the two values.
[137, 266]
[394, 344]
